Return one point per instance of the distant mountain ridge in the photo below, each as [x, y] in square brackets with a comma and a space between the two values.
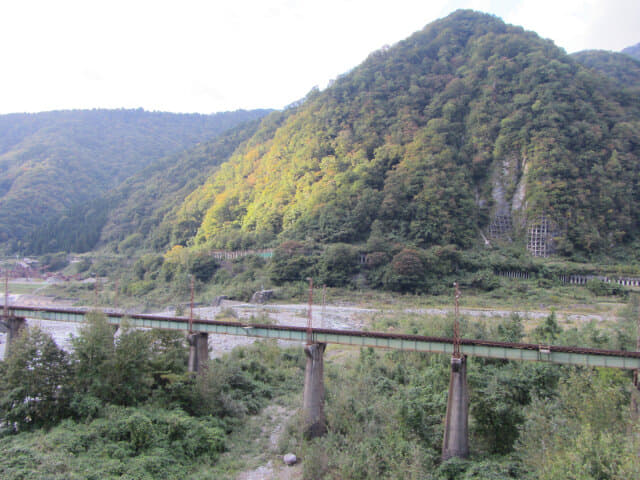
[633, 51]
[620, 67]
[51, 161]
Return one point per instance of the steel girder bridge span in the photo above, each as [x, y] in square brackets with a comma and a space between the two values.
[588, 357]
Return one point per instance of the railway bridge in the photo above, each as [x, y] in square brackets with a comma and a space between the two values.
[315, 340]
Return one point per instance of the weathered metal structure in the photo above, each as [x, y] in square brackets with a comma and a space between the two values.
[588, 357]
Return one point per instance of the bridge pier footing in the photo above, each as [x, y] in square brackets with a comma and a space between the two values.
[198, 351]
[456, 427]
[313, 397]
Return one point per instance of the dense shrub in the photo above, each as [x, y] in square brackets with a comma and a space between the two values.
[292, 261]
[338, 264]
[202, 266]
[406, 272]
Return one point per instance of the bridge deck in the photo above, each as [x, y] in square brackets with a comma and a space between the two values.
[481, 348]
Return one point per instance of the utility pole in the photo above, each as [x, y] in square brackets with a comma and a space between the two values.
[635, 373]
[96, 291]
[115, 297]
[324, 305]
[635, 392]
[456, 323]
[6, 293]
[310, 313]
[191, 307]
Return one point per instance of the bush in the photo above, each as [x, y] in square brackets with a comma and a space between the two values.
[55, 262]
[338, 264]
[602, 289]
[240, 383]
[406, 273]
[485, 280]
[375, 268]
[140, 288]
[202, 266]
[132, 242]
[148, 265]
[291, 261]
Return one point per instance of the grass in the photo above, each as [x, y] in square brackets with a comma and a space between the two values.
[25, 287]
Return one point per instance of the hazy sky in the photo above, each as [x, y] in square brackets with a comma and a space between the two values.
[212, 55]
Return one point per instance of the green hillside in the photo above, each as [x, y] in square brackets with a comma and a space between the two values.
[622, 68]
[51, 161]
[132, 212]
[468, 127]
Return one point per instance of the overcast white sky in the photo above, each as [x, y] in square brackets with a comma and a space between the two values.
[211, 55]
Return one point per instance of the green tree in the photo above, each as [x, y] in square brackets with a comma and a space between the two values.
[129, 373]
[291, 261]
[34, 382]
[338, 264]
[93, 356]
[585, 432]
[548, 331]
[406, 272]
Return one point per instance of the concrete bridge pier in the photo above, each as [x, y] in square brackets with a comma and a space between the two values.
[313, 397]
[198, 351]
[456, 427]
[635, 396]
[13, 327]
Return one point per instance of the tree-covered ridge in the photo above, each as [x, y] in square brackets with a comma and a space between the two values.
[54, 160]
[427, 141]
[633, 51]
[139, 210]
[622, 68]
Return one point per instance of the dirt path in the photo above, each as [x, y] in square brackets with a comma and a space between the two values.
[273, 421]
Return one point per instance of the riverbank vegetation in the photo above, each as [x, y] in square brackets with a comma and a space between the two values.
[127, 408]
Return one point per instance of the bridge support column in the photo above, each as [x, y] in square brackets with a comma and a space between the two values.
[456, 427]
[313, 397]
[635, 396]
[14, 326]
[198, 351]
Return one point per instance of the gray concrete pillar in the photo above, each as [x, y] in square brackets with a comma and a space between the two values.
[14, 326]
[313, 397]
[456, 427]
[635, 396]
[198, 351]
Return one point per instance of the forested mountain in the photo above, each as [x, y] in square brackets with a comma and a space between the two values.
[620, 67]
[633, 51]
[51, 161]
[133, 211]
[469, 126]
